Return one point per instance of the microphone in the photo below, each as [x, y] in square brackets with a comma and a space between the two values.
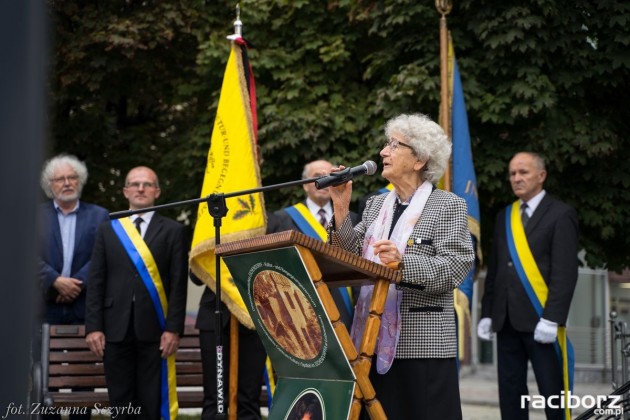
[341, 177]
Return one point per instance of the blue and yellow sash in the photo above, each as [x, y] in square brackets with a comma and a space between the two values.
[310, 226]
[142, 259]
[537, 291]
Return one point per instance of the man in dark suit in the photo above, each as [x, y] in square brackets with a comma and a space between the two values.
[137, 300]
[67, 232]
[311, 217]
[527, 327]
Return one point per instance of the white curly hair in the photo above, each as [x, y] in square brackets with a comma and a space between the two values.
[51, 165]
[428, 140]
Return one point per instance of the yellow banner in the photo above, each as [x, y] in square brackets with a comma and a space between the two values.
[232, 166]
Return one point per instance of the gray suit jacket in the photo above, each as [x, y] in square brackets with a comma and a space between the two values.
[434, 265]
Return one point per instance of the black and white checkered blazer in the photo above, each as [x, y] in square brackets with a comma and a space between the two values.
[435, 264]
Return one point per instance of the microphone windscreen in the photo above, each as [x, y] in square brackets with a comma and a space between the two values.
[371, 167]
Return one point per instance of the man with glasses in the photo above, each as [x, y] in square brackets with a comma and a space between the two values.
[136, 304]
[67, 234]
[67, 238]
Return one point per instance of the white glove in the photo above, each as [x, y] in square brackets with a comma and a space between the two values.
[546, 331]
[484, 329]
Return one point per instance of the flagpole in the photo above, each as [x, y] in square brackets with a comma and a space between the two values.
[444, 8]
[232, 406]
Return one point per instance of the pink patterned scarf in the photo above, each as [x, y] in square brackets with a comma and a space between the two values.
[389, 332]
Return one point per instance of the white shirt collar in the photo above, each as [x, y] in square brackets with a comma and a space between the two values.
[71, 211]
[314, 208]
[534, 202]
[145, 216]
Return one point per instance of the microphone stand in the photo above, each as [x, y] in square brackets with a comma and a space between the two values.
[218, 210]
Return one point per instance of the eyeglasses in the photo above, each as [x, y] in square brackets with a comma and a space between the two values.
[71, 179]
[394, 144]
[137, 185]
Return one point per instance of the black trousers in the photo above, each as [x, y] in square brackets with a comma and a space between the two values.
[418, 389]
[514, 349]
[132, 373]
[251, 363]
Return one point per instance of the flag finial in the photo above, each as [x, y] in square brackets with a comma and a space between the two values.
[238, 25]
[443, 6]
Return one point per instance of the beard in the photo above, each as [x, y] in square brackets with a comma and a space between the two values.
[68, 197]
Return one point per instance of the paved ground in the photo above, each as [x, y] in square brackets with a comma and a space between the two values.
[480, 396]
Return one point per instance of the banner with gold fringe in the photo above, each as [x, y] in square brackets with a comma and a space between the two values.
[232, 166]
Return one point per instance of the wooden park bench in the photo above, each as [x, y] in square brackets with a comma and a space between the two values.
[67, 363]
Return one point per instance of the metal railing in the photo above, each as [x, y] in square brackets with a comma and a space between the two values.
[619, 354]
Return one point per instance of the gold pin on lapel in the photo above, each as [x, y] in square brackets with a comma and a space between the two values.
[409, 242]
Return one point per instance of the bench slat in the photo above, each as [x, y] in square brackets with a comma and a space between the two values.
[188, 356]
[190, 380]
[84, 356]
[75, 370]
[79, 331]
[76, 381]
[186, 398]
[67, 331]
[99, 381]
[79, 343]
[182, 355]
[188, 368]
[92, 369]
[67, 343]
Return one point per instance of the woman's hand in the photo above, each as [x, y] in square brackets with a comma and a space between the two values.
[341, 196]
[387, 251]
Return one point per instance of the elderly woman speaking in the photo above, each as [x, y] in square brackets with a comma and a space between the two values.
[425, 231]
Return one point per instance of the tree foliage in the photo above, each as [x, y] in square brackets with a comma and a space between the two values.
[137, 82]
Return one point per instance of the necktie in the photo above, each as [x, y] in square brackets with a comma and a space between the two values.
[138, 222]
[322, 217]
[524, 215]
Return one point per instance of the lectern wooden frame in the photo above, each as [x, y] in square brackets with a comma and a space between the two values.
[329, 265]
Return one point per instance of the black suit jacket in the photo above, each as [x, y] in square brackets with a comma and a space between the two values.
[552, 234]
[117, 291]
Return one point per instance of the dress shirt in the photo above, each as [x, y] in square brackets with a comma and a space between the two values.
[146, 219]
[314, 209]
[67, 229]
[533, 203]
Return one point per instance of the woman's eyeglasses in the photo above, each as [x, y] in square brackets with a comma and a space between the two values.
[394, 144]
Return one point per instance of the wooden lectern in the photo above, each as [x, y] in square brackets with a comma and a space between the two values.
[331, 266]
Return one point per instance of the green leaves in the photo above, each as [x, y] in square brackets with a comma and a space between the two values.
[138, 83]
